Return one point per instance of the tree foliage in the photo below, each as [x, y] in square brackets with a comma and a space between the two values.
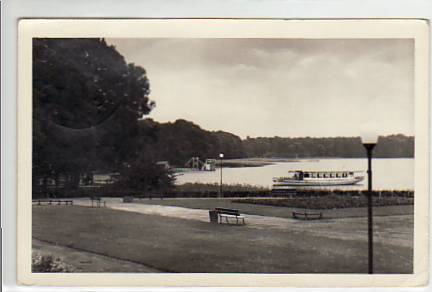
[179, 141]
[144, 174]
[86, 104]
[344, 147]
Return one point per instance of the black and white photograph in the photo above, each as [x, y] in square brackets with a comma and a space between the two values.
[224, 154]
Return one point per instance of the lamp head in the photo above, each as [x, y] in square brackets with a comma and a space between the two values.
[369, 135]
[369, 139]
[221, 155]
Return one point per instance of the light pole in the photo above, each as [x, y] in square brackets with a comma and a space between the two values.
[220, 186]
[369, 141]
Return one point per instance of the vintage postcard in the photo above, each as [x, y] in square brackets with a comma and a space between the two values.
[223, 152]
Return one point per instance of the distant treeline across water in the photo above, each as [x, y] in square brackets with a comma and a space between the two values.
[179, 141]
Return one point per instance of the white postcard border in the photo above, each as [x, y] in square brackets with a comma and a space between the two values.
[226, 28]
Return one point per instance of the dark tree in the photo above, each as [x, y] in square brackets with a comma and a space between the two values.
[86, 104]
[144, 176]
[179, 141]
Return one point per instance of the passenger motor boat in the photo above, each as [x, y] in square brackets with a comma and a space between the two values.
[317, 178]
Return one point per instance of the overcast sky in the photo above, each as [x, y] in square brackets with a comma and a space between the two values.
[279, 87]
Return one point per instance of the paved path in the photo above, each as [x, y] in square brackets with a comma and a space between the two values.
[396, 230]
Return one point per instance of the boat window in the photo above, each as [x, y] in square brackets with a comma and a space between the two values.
[306, 174]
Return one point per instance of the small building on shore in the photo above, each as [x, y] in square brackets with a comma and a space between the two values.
[209, 165]
[164, 164]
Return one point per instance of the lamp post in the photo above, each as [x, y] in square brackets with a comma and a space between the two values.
[369, 141]
[220, 186]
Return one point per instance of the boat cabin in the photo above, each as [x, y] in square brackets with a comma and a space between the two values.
[300, 175]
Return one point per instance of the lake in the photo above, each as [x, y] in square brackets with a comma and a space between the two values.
[388, 173]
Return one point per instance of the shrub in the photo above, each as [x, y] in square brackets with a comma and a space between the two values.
[49, 264]
[328, 201]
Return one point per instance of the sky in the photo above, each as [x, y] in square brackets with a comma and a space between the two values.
[280, 87]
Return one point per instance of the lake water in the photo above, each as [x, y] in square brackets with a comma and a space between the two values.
[388, 174]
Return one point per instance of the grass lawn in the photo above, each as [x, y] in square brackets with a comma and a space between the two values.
[176, 245]
[87, 262]
[275, 211]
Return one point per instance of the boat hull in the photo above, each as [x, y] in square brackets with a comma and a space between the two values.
[318, 182]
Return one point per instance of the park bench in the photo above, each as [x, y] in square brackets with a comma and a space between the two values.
[307, 215]
[97, 202]
[52, 201]
[229, 213]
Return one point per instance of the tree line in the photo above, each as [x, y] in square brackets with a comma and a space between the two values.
[178, 141]
[392, 146]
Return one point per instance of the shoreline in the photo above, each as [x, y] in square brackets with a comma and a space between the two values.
[263, 161]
